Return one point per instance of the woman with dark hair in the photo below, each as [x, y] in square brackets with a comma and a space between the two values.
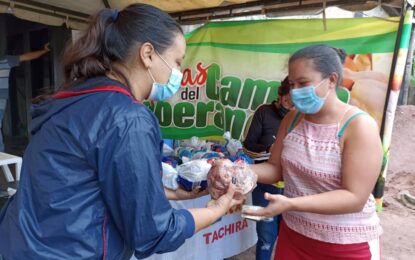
[329, 154]
[91, 178]
[259, 140]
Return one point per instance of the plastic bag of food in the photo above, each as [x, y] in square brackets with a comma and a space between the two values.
[194, 142]
[233, 146]
[169, 177]
[244, 178]
[167, 150]
[193, 174]
[219, 177]
[225, 172]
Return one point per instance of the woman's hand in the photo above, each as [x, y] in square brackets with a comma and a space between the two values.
[215, 209]
[181, 194]
[277, 204]
[225, 202]
[219, 178]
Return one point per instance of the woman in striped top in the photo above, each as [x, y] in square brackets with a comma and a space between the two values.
[329, 155]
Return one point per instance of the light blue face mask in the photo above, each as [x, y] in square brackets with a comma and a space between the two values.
[306, 100]
[164, 91]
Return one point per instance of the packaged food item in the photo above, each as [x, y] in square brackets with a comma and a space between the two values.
[219, 177]
[194, 143]
[167, 150]
[193, 174]
[169, 177]
[224, 172]
[233, 146]
[243, 178]
[255, 218]
[184, 153]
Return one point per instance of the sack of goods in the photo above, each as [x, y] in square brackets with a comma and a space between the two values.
[193, 175]
[224, 172]
[169, 176]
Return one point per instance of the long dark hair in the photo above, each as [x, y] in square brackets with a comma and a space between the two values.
[111, 36]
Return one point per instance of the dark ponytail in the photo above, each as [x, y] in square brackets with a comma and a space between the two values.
[342, 54]
[112, 36]
[88, 56]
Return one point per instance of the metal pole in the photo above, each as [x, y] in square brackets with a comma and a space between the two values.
[393, 67]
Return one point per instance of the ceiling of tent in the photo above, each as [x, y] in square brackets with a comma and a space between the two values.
[74, 13]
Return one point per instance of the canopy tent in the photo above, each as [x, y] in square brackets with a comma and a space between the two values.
[75, 13]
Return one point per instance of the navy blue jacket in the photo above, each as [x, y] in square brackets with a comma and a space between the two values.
[91, 182]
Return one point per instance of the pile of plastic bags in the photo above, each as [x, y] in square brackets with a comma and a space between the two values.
[187, 166]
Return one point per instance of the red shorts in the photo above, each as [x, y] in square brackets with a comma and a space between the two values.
[292, 246]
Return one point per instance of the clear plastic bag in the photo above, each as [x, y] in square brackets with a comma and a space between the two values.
[193, 174]
[169, 177]
[225, 172]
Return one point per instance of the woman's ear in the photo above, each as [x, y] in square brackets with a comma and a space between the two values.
[333, 79]
[146, 52]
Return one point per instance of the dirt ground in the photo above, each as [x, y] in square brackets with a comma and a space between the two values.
[398, 221]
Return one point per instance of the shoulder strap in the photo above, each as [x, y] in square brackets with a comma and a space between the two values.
[344, 114]
[293, 122]
[339, 135]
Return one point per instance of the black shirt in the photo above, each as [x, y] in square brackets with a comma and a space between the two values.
[263, 129]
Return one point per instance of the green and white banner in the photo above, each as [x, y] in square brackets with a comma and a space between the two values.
[231, 68]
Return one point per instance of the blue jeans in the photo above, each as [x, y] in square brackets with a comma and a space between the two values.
[267, 231]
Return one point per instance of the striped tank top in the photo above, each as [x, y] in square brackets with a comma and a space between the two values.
[311, 163]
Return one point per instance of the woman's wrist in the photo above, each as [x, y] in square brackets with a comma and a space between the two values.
[217, 210]
[290, 204]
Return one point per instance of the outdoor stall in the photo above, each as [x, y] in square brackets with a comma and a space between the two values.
[233, 67]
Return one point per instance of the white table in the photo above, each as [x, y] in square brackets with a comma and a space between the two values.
[230, 236]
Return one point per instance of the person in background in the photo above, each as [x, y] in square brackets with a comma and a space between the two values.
[7, 62]
[329, 154]
[260, 138]
[91, 184]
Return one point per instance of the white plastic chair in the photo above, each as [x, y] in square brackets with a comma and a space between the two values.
[7, 159]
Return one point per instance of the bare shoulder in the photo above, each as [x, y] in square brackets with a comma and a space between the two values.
[362, 128]
[363, 122]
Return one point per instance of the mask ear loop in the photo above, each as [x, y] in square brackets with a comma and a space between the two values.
[158, 54]
[151, 75]
[328, 90]
[327, 94]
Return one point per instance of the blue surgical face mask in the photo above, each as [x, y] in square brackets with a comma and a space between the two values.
[164, 91]
[306, 100]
